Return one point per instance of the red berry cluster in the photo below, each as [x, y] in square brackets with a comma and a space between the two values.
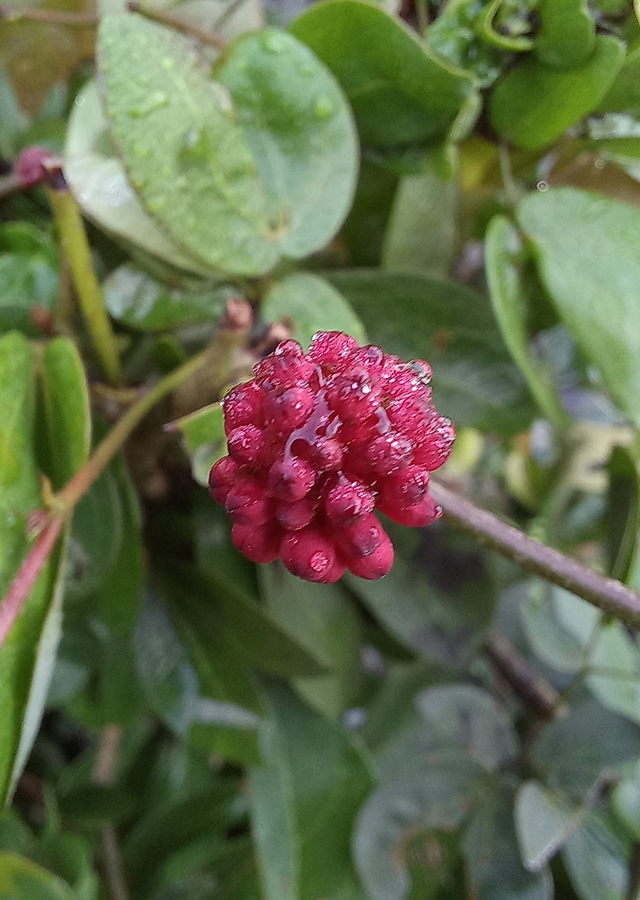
[318, 441]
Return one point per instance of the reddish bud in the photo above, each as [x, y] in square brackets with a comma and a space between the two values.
[221, 478]
[311, 554]
[348, 503]
[291, 479]
[246, 445]
[260, 543]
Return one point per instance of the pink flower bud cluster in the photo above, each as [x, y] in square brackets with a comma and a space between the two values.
[317, 442]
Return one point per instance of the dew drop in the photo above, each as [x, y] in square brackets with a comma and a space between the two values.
[273, 42]
[542, 186]
[324, 107]
[154, 101]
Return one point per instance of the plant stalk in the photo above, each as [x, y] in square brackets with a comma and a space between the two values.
[170, 20]
[612, 597]
[77, 250]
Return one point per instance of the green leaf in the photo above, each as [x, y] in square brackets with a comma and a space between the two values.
[474, 379]
[28, 654]
[610, 656]
[139, 301]
[100, 185]
[230, 606]
[20, 879]
[551, 643]
[532, 105]
[96, 536]
[505, 262]
[623, 513]
[399, 91]
[313, 305]
[66, 413]
[421, 231]
[304, 801]
[164, 666]
[322, 619]
[493, 859]
[14, 120]
[544, 822]
[119, 595]
[596, 862]
[592, 274]
[624, 94]
[300, 131]
[567, 33]
[223, 674]
[29, 275]
[182, 148]
[625, 802]
[437, 796]
[440, 611]
[577, 751]
[464, 718]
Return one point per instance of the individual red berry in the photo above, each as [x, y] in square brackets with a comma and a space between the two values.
[221, 478]
[434, 448]
[389, 453]
[406, 488]
[423, 513]
[288, 410]
[247, 445]
[311, 554]
[353, 395]
[260, 543]
[325, 455]
[242, 406]
[289, 348]
[278, 372]
[291, 478]
[377, 564]
[28, 167]
[348, 502]
[371, 358]
[247, 502]
[296, 514]
[331, 348]
[363, 538]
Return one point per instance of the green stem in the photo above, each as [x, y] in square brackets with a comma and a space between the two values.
[10, 13]
[612, 597]
[75, 489]
[76, 247]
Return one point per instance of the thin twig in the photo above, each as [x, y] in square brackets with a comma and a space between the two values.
[77, 250]
[534, 691]
[190, 29]
[9, 184]
[104, 774]
[612, 597]
[10, 13]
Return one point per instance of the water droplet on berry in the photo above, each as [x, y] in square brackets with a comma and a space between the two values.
[319, 561]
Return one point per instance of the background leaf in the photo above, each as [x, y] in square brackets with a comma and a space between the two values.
[592, 276]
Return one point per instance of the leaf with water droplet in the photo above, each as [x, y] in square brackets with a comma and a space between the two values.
[221, 216]
[100, 185]
[301, 134]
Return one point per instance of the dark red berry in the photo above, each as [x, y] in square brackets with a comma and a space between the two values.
[331, 348]
[348, 502]
[242, 406]
[221, 478]
[311, 554]
[423, 513]
[363, 538]
[260, 543]
[389, 453]
[406, 488]
[325, 455]
[296, 514]
[291, 478]
[247, 445]
[289, 409]
[377, 564]
[247, 502]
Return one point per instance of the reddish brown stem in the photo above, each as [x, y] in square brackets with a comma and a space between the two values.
[15, 599]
